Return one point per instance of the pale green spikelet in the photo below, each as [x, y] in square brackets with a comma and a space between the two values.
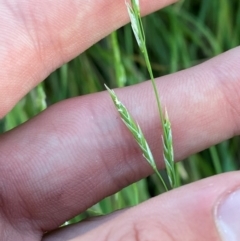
[133, 127]
[168, 151]
[136, 132]
[135, 18]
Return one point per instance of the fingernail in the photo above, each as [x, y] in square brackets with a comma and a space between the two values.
[228, 217]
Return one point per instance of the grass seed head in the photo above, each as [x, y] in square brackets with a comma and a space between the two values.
[136, 23]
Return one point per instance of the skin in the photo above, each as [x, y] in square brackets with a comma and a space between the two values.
[51, 168]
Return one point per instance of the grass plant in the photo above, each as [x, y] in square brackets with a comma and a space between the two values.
[138, 30]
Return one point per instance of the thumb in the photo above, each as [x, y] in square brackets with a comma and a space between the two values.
[205, 210]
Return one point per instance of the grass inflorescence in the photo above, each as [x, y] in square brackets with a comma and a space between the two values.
[138, 30]
[136, 131]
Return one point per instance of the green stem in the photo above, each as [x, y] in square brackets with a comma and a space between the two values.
[154, 86]
[149, 68]
[160, 177]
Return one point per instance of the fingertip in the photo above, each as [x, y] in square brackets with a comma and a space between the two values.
[187, 213]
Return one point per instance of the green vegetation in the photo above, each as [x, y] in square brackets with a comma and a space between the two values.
[182, 35]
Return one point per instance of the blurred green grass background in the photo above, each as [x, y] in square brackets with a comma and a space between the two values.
[178, 37]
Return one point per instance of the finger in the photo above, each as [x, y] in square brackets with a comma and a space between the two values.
[205, 210]
[76, 230]
[42, 35]
[79, 151]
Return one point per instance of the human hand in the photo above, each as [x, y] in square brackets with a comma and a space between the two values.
[51, 168]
